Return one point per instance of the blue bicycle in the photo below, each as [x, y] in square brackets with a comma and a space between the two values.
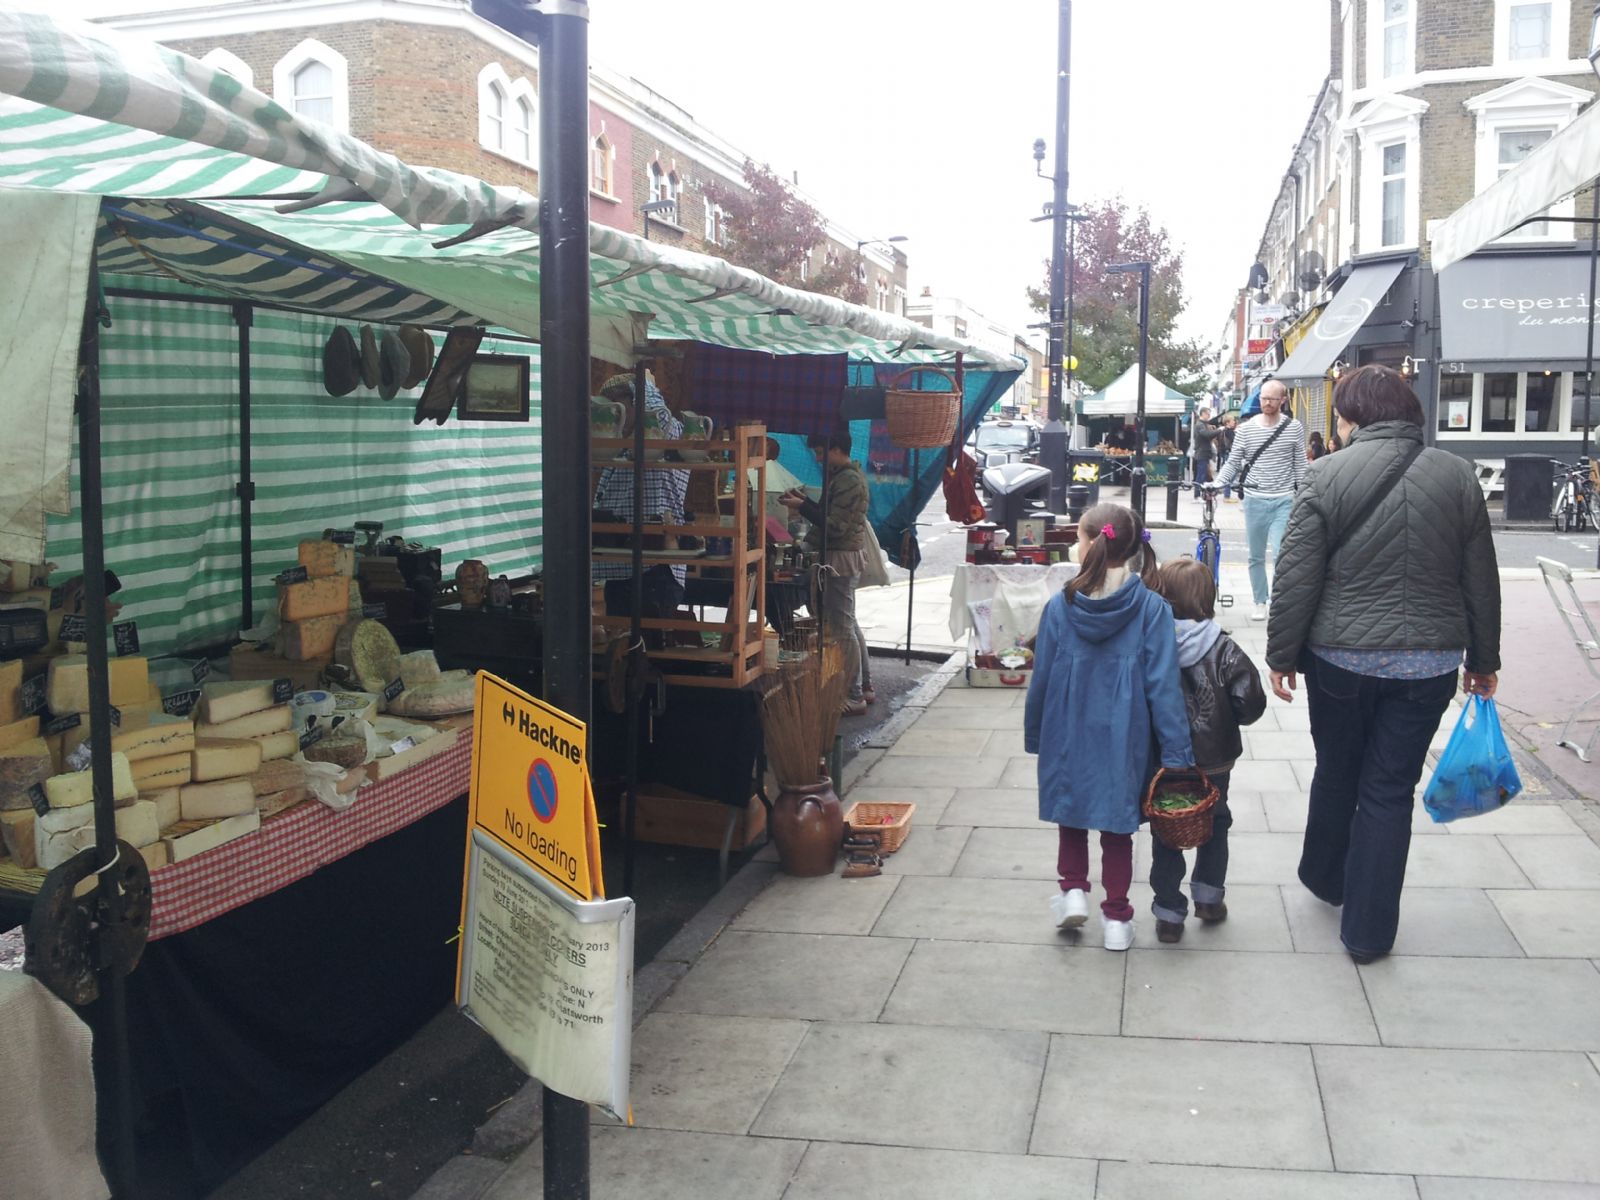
[1208, 546]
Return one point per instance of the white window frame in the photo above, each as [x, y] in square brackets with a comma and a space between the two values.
[1560, 34]
[230, 64]
[1521, 105]
[311, 50]
[1384, 122]
[609, 192]
[716, 230]
[1377, 28]
[1562, 432]
[512, 92]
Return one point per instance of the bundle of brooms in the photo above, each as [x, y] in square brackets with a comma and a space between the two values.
[800, 713]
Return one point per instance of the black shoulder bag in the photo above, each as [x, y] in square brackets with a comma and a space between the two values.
[1376, 497]
[1244, 471]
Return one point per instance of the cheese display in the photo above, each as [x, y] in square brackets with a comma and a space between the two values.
[419, 667]
[278, 745]
[227, 701]
[342, 751]
[255, 724]
[452, 692]
[67, 688]
[18, 732]
[321, 559]
[168, 809]
[313, 598]
[222, 798]
[76, 788]
[61, 833]
[225, 758]
[132, 716]
[275, 776]
[313, 638]
[156, 855]
[16, 831]
[167, 771]
[10, 691]
[189, 838]
[153, 735]
[21, 767]
[363, 705]
[139, 824]
[369, 652]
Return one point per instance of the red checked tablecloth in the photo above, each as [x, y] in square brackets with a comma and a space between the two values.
[308, 836]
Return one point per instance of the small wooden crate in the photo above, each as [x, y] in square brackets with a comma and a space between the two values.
[868, 817]
[672, 817]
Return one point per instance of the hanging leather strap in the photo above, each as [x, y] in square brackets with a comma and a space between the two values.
[1376, 496]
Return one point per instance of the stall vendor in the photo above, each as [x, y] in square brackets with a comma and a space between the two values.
[843, 516]
[664, 492]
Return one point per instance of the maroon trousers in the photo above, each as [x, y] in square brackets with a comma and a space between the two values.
[1116, 869]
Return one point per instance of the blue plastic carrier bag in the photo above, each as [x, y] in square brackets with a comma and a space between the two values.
[1475, 773]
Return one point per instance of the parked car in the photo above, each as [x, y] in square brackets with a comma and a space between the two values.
[996, 442]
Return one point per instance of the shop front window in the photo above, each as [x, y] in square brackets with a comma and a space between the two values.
[1500, 403]
[1455, 403]
[1539, 407]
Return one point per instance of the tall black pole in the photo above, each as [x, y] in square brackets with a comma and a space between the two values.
[636, 625]
[911, 561]
[1071, 364]
[245, 489]
[1137, 491]
[564, 419]
[1053, 438]
[1588, 359]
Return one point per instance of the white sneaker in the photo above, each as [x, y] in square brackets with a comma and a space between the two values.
[1070, 909]
[1259, 613]
[1119, 935]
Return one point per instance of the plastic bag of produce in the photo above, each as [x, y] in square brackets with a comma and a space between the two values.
[1475, 773]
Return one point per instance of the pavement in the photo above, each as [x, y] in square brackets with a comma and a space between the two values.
[929, 1032]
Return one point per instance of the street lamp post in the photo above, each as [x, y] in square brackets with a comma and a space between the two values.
[1142, 269]
[1053, 438]
[1594, 261]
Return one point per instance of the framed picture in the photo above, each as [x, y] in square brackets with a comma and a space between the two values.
[1030, 531]
[494, 388]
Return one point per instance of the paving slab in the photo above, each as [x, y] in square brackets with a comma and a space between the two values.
[1555, 862]
[942, 742]
[1006, 743]
[1547, 819]
[830, 1170]
[974, 910]
[1011, 807]
[1231, 1104]
[936, 770]
[1493, 1004]
[826, 904]
[1266, 744]
[1552, 924]
[804, 976]
[1452, 922]
[1255, 921]
[1021, 772]
[929, 850]
[1434, 1188]
[930, 801]
[1153, 1181]
[1265, 776]
[1286, 813]
[894, 1085]
[1008, 717]
[1463, 862]
[706, 1073]
[1246, 997]
[986, 985]
[959, 695]
[1491, 1113]
[1013, 853]
[660, 1164]
[1248, 814]
[1263, 857]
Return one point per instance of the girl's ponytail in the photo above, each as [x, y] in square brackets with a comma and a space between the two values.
[1110, 536]
[1091, 568]
[1149, 568]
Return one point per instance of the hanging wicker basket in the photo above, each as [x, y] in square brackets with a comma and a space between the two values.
[922, 420]
[1181, 828]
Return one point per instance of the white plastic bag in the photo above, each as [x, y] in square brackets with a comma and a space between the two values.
[875, 572]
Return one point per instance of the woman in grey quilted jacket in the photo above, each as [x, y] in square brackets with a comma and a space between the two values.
[1386, 586]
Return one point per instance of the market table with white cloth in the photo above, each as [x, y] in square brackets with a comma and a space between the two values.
[1000, 604]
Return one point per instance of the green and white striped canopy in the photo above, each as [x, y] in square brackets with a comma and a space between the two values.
[200, 166]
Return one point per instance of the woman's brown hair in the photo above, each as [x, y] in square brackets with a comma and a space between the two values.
[1186, 584]
[1103, 550]
[1371, 394]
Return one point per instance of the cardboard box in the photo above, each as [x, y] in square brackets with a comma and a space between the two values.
[997, 677]
[676, 818]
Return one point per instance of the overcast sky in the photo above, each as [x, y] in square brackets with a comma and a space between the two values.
[917, 117]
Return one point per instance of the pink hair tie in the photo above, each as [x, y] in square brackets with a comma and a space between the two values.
[1109, 531]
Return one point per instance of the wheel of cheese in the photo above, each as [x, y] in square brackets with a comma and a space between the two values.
[343, 751]
[452, 692]
[370, 652]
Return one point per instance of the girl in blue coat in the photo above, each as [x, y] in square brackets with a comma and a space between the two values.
[1106, 692]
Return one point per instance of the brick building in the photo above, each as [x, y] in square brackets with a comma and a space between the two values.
[1426, 103]
[439, 83]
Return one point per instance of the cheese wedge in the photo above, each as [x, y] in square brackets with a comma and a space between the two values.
[22, 766]
[17, 576]
[156, 855]
[151, 775]
[225, 758]
[67, 688]
[313, 598]
[277, 775]
[16, 831]
[227, 700]
[76, 788]
[321, 559]
[168, 808]
[189, 838]
[153, 735]
[301, 641]
[11, 691]
[342, 751]
[356, 704]
[61, 833]
[278, 745]
[418, 667]
[356, 603]
[18, 732]
[139, 824]
[268, 720]
[274, 803]
[133, 716]
[220, 798]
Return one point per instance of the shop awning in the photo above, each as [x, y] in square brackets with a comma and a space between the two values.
[1554, 171]
[1346, 312]
[1120, 398]
[1515, 312]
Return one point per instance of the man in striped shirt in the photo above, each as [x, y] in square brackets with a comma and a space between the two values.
[1268, 464]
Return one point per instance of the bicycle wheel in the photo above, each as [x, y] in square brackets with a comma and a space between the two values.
[1558, 510]
[1209, 552]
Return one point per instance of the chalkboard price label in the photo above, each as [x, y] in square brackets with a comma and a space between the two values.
[33, 695]
[393, 690]
[74, 628]
[294, 575]
[181, 704]
[312, 736]
[126, 634]
[282, 691]
[41, 802]
[377, 612]
[116, 716]
[343, 537]
[201, 671]
[63, 723]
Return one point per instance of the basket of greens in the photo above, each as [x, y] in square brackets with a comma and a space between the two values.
[1179, 805]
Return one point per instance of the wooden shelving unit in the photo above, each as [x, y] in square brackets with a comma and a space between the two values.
[736, 658]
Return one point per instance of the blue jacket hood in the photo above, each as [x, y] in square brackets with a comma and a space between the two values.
[1101, 620]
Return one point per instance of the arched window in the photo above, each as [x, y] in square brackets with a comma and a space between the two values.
[493, 133]
[600, 164]
[230, 64]
[313, 81]
[508, 115]
[658, 182]
[716, 224]
[674, 186]
[522, 138]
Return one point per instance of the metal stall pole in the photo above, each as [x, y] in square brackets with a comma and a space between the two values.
[911, 565]
[1588, 358]
[112, 1071]
[245, 489]
[1136, 483]
[1053, 438]
[635, 629]
[564, 416]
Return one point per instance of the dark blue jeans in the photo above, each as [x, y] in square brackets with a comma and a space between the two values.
[1202, 474]
[1210, 864]
[1372, 739]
